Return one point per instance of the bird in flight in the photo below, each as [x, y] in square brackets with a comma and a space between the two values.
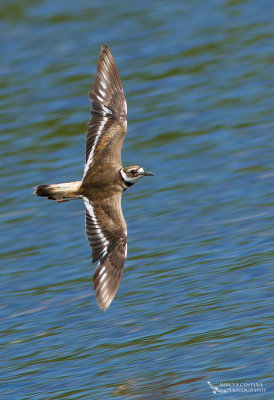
[104, 180]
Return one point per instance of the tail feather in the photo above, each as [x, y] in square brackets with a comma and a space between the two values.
[60, 191]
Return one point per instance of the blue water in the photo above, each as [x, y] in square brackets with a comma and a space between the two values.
[194, 305]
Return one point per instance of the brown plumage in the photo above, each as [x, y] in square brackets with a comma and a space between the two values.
[104, 180]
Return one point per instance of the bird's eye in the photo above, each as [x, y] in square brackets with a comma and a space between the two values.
[134, 172]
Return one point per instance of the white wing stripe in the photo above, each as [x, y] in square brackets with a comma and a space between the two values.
[126, 251]
[98, 231]
[103, 84]
[103, 277]
[100, 99]
[107, 110]
[90, 157]
[102, 270]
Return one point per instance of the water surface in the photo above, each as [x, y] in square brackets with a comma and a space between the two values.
[194, 304]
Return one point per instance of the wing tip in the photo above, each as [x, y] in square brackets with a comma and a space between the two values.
[105, 47]
[104, 300]
[106, 281]
[105, 51]
[103, 306]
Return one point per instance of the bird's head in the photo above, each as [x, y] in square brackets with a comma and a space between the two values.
[132, 174]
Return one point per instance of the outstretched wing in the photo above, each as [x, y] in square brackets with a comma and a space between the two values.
[107, 235]
[107, 126]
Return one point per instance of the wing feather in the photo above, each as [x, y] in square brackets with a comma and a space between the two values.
[107, 236]
[108, 112]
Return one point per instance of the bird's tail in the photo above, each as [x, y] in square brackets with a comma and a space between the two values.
[59, 191]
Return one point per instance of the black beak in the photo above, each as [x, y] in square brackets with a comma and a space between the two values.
[148, 173]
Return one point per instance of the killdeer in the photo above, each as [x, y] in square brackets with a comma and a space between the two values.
[104, 179]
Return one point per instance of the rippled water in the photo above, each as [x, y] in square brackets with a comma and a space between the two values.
[194, 304]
